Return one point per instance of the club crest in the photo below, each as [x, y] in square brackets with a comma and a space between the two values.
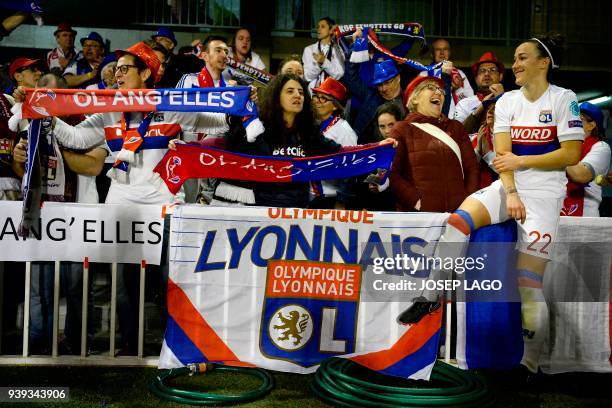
[170, 166]
[290, 328]
[545, 116]
[309, 311]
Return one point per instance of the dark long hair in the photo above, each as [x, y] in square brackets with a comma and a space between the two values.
[233, 44]
[271, 112]
[555, 44]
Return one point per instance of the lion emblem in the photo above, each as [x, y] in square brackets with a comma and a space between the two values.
[293, 326]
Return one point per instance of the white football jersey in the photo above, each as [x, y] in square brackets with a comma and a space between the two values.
[538, 128]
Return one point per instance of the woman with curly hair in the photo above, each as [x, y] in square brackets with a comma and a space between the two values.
[287, 116]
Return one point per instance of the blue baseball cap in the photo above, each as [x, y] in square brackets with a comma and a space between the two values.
[165, 32]
[93, 36]
[594, 112]
[384, 71]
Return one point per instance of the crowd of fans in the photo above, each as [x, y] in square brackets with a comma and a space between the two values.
[319, 103]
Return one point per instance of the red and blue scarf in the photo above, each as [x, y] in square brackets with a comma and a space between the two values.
[197, 161]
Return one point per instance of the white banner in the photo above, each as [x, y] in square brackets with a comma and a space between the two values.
[287, 288]
[71, 232]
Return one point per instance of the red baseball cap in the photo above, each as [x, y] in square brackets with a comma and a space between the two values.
[332, 88]
[146, 54]
[416, 81]
[21, 63]
[488, 57]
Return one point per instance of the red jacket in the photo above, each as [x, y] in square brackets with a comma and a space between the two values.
[425, 168]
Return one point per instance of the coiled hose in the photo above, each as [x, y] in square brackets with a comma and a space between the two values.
[335, 383]
[160, 388]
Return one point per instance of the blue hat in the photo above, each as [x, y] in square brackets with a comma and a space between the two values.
[594, 112]
[165, 32]
[93, 36]
[384, 71]
[112, 57]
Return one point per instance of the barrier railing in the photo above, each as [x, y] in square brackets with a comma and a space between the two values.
[100, 359]
[83, 234]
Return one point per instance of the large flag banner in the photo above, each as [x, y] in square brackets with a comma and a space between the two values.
[285, 288]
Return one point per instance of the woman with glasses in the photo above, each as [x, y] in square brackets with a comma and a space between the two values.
[435, 168]
[137, 68]
[328, 104]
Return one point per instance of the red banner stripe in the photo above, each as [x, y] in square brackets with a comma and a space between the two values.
[410, 342]
[196, 328]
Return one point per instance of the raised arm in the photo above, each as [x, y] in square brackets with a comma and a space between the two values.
[86, 134]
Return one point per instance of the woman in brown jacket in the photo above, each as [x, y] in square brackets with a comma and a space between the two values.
[435, 167]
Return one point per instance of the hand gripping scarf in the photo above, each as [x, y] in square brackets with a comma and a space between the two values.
[360, 47]
[30, 6]
[251, 123]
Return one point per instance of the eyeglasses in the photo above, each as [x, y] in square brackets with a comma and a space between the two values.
[321, 98]
[493, 70]
[124, 68]
[433, 88]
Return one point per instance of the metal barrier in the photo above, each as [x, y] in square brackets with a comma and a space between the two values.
[198, 13]
[55, 358]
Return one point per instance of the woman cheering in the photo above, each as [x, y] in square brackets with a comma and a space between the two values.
[435, 168]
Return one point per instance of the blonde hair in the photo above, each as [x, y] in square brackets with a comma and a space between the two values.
[410, 105]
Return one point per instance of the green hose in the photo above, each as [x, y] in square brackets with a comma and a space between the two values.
[448, 387]
[160, 388]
